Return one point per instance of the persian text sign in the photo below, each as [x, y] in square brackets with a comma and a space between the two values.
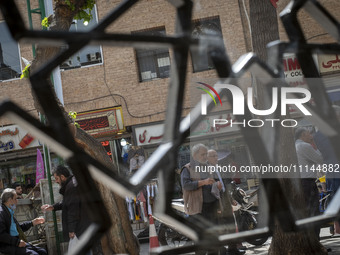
[153, 134]
[16, 138]
[147, 135]
[102, 122]
[329, 63]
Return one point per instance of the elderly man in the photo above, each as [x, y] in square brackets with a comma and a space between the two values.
[197, 183]
[12, 239]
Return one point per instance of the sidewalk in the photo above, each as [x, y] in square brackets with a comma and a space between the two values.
[326, 240]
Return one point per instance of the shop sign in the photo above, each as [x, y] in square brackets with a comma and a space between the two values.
[102, 122]
[292, 71]
[149, 135]
[153, 134]
[208, 127]
[16, 138]
[294, 76]
[329, 63]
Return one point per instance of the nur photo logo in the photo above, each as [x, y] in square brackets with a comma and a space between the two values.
[240, 101]
[204, 96]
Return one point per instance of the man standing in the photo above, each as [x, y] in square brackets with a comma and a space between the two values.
[74, 217]
[197, 184]
[226, 217]
[309, 157]
[12, 239]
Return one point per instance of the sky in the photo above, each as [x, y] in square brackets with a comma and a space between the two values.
[10, 49]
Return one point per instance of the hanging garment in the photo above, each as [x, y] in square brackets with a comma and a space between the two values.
[129, 203]
[149, 200]
[143, 204]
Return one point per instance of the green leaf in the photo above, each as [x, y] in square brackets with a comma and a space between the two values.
[25, 72]
[85, 12]
[45, 22]
[72, 114]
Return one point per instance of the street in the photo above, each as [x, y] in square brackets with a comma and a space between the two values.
[326, 240]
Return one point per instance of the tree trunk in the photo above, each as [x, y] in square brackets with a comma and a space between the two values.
[120, 238]
[264, 26]
[293, 243]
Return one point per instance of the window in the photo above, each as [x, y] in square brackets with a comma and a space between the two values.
[199, 56]
[153, 63]
[89, 55]
[22, 170]
[10, 66]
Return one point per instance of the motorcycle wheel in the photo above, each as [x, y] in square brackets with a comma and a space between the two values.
[170, 237]
[161, 235]
[250, 223]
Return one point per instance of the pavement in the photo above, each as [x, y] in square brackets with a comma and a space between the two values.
[326, 240]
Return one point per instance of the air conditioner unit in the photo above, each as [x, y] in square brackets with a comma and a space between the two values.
[67, 64]
[91, 57]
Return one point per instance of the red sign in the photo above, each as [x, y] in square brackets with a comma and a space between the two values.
[291, 64]
[95, 123]
[100, 123]
[26, 141]
[329, 63]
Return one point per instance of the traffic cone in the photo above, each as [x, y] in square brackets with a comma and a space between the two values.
[239, 245]
[153, 238]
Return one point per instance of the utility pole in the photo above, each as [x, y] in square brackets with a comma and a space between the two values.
[46, 7]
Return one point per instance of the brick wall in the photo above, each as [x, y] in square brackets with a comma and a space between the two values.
[89, 88]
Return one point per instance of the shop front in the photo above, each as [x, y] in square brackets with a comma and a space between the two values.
[223, 138]
[18, 157]
[107, 126]
[329, 68]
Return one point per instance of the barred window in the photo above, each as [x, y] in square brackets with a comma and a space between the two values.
[199, 56]
[10, 66]
[152, 63]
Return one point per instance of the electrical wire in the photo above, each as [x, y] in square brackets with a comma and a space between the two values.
[248, 20]
[113, 95]
[125, 102]
[314, 36]
[107, 86]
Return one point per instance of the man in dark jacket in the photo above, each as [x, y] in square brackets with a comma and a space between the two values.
[74, 217]
[12, 239]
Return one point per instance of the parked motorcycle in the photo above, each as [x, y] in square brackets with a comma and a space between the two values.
[169, 236]
[245, 218]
